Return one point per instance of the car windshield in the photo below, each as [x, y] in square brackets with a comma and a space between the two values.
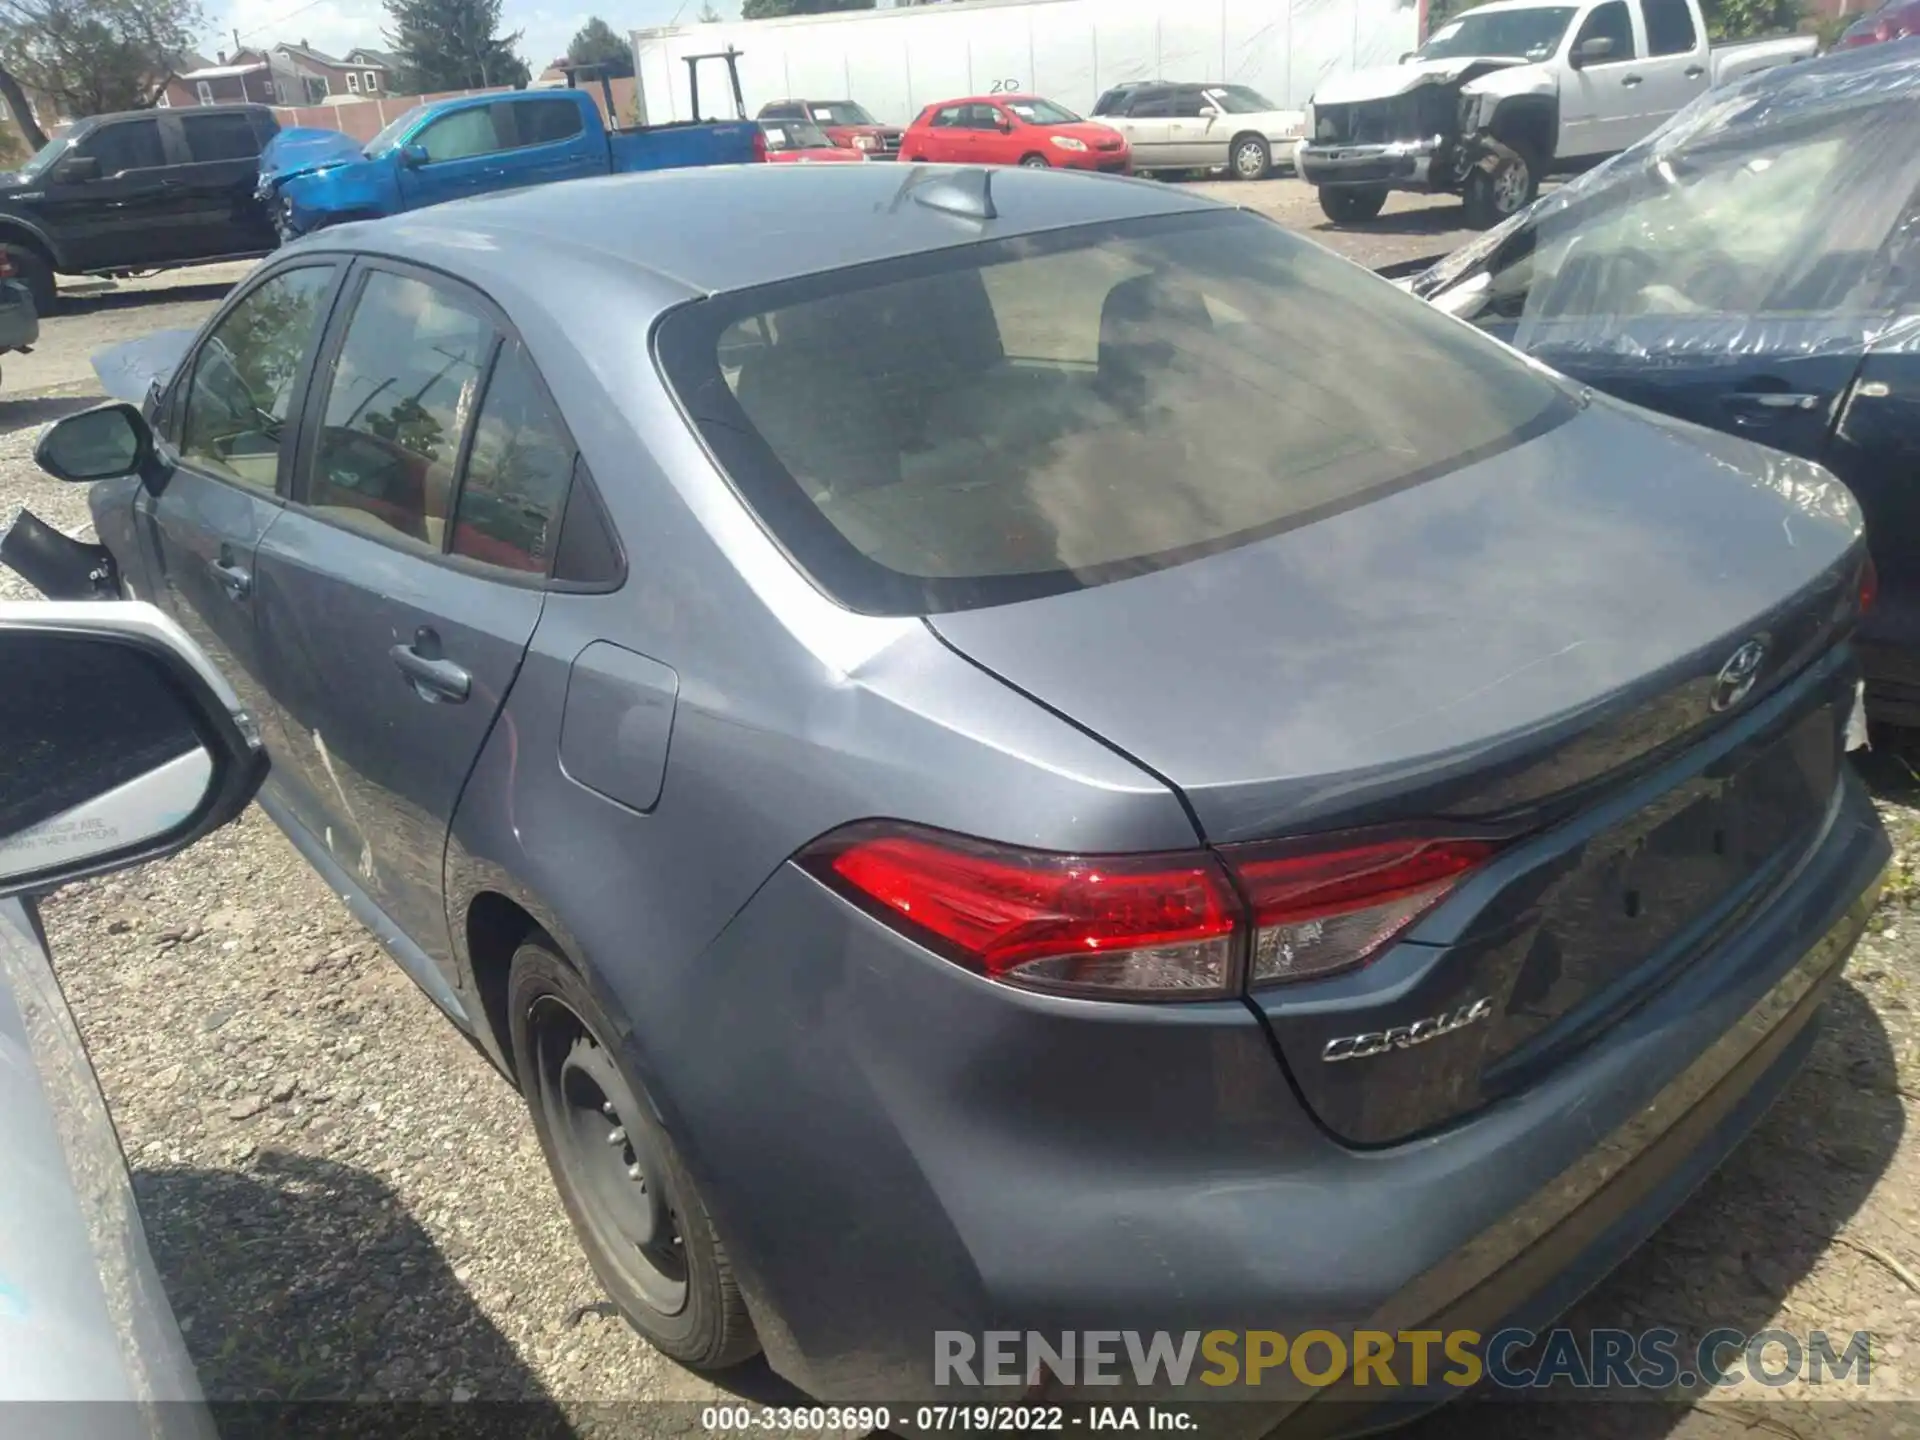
[44, 158]
[1781, 222]
[1042, 112]
[388, 137]
[1523, 34]
[839, 112]
[1239, 100]
[1050, 412]
[795, 135]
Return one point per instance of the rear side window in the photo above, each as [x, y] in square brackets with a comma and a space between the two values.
[399, 396]
[515, 488]
[546, 122]
[220, 137]
[947, 116]
[236, 404]
[134, 145]
[1051, 412]
[1669, 27]
[1155, 105]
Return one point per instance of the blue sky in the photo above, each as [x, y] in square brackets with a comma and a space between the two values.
[338, 25]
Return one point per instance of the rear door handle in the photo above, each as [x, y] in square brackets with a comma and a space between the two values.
[235, 578]
[434, 677]
[1694, 72]
[1630, 80]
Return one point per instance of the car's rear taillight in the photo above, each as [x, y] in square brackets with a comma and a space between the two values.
[1319, 911]
[1181, 925]
[1869, 585]
[759, 144]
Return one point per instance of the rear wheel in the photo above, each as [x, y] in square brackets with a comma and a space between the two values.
[1251, 158]
[1349, 205]
[634, 1206]
[37, 275]
[1034, 162]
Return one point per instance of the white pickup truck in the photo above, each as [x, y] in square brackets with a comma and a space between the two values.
[1504, 94]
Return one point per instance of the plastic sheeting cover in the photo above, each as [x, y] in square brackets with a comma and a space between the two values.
[1773, 216]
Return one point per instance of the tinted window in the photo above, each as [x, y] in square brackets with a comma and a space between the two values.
[398, 400]
[1156, 105]
[132, 146]
[461, 135]
[515, 488]
[1189, 104]
[1669, 26]
[1609, 22]
[1050, 412]
[220, 137]
[543, 122]
[236, 404]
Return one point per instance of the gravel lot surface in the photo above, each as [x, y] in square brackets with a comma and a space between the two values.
[346, 1201]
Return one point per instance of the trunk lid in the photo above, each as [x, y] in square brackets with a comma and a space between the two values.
[1538, 640]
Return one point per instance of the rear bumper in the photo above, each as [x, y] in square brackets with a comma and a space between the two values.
[929, 1152]
[1403, 164]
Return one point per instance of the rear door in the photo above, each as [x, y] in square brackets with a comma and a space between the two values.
[1675, 70]
[1599, 102]
[551, 141]
[465, 155]
[395, 604]
[946, 137]
[220, 166]
[223, 433]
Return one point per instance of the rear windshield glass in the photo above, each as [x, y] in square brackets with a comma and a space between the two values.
[1046, 413]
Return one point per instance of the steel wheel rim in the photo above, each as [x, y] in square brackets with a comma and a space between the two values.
[617, 1177]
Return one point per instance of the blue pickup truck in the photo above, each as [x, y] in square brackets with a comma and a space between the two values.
[475, 145]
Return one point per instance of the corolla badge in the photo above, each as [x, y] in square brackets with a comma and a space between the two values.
[1736, 678]
[1405, 1037]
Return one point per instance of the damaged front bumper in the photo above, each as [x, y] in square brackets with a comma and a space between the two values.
[1400, 164]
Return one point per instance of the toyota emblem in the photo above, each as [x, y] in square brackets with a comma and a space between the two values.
[1736, 678]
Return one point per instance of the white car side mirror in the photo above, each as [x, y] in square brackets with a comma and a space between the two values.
[119, 742]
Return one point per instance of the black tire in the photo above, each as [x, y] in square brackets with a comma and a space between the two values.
[636, 1210]
[1248, 158]
[1351, 204]
[1500, 186]
[34, 271]
[1034, 162]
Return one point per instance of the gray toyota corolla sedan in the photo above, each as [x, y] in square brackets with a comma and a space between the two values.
[1022, 751]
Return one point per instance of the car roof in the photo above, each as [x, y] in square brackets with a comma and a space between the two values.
[721, 228]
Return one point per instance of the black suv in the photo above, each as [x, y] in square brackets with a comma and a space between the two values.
[141, 190]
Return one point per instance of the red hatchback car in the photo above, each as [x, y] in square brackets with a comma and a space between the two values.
[1014, 130]
[1893, 21]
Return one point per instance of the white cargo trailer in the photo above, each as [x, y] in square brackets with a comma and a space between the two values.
[896, 61]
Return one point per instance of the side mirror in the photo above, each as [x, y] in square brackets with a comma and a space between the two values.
[76, 168]
[100, 444]
[413, 156]
[1597, 47]
[118, 741]
[1408, 55]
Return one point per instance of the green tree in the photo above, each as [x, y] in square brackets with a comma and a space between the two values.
[768, 9]
[595, 43]
[1742, 19]
[452, 45]
[90, 56]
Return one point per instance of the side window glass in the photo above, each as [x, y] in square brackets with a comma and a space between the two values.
[1669, 27]
[120, 148]
[461, 135]
[1188, 104]
[398, 400]
[220, 137]
[515, 488]
[1609, 22]
[948, 117]
[546, 122]
[1152, 107]
[236, 404]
